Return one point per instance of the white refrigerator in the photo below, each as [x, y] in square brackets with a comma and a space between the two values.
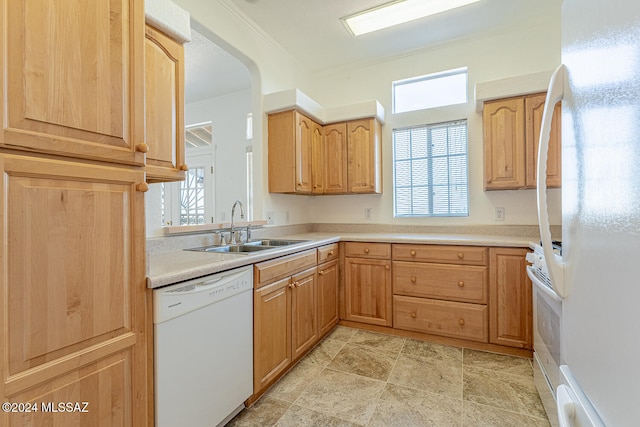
[599, 274]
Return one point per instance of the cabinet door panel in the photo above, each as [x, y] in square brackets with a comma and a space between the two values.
[534, 106]
[271, 332]
[74, 277]
[164, 96]
[304, 147]
[364, 156]
[504, 136]
[335, 163]
[368, 291]
[511, 316]
[328, 279]
[304, 315]
[317, 158]
[74, 78]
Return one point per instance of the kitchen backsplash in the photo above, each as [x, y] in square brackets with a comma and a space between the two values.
[172, 243]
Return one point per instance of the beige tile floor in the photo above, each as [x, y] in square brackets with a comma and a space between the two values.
[361, 378]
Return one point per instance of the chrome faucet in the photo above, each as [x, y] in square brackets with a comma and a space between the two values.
[232, 237]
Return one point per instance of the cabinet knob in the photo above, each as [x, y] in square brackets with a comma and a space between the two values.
[387, 267]
[296, 284]
[414, 315]
[330, 253]
[413, 279]
[143, 187]
[321, 272]
[142, 147]
[366, 250]
[413, 253]
[461, 322]
[291, 286]
[460, 255]
[184, 167]
[461, 283]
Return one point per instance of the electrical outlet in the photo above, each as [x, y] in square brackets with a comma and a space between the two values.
[499, 214]
[287, 218]
[270, 220]
[368, 214]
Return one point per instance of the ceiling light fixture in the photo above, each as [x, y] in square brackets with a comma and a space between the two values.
[398, 12]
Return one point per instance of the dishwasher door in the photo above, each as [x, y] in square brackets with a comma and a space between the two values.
[203, 331]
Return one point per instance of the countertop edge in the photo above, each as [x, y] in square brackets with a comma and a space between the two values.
[230, 261]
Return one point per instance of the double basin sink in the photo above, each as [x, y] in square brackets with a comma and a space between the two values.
[249, 247]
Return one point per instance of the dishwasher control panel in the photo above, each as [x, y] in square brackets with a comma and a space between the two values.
[175, 300]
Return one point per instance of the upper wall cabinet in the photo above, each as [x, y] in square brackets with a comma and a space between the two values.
[164, 95]
[74, 82]
[308, 158]
[365, 156]
[511, 134]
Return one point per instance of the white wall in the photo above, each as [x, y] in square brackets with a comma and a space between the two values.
[228, 116]
[522, 51]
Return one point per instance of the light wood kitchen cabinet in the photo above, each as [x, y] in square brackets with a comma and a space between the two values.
[368, 284]
[304, 312]
[441, 290]
[164, 113]
[511, 132]
[291, 136]
[335, 158]
[511, 313]
[534, 107]
[308, 158]
[271, 332]
[285, 314]
[446, 318]
[74, 79]
[364, 151]
[73, 309]
[328, 280]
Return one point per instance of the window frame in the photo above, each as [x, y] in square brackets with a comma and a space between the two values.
[430, 186]
[430, 77]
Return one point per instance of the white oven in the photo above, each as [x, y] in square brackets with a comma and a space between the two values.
[547, 318]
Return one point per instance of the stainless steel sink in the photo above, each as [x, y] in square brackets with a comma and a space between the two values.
[248, 247]
[236, 248]
[276, 242]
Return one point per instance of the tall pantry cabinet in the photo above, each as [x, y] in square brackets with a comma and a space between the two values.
[73, 302]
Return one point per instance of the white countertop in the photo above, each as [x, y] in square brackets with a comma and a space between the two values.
[165, 268]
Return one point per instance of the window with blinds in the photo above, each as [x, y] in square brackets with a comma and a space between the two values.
[430, 170]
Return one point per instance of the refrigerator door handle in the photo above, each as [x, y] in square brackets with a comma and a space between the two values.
[554, 266]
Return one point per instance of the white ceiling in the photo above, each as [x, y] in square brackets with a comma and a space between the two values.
[312, 32]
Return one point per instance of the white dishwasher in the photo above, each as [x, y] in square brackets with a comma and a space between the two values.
[203, 331]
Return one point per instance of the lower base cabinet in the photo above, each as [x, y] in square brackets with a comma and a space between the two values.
[511, 317]
[295, 304]
[451, 319]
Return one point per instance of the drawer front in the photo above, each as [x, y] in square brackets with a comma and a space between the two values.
[451, 319]
[268, 271]
[368, 250]
[327, 253]
[464, 283]
[445, 254]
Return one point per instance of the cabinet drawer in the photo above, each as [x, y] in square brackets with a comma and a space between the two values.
[451, 319]
[267, 271]
[447, 254]
[465, 283]
[368, 250]
[327, 253]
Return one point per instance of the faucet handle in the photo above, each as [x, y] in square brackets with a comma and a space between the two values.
[248, 232]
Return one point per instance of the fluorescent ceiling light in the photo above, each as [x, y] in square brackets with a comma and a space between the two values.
[398, 12]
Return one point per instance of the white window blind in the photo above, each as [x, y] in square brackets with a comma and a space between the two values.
[430, 170]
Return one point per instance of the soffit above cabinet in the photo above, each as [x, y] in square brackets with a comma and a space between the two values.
[295, 99]
[170, 18]
[511, 86]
